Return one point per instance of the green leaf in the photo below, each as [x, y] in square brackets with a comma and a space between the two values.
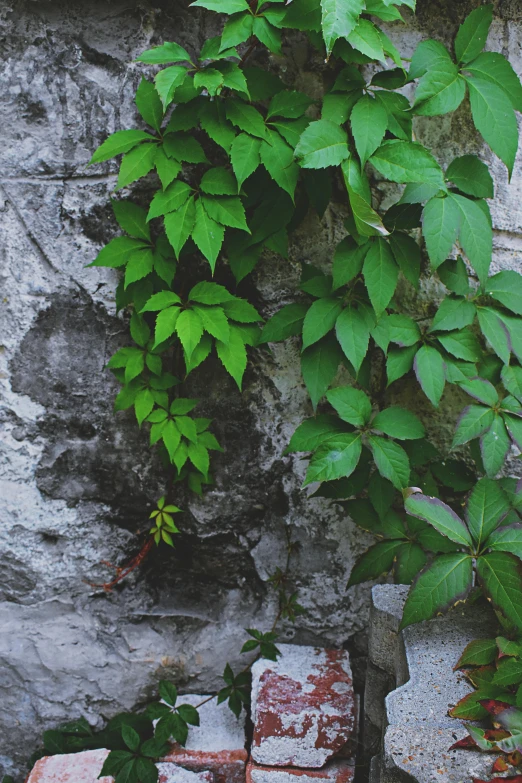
[452, 314]
[246, 118]
[440, 226]
[410, 559]
[494, 118]
[278, 159]
[335, 458]
[287, 322]
[209, 293]
[472, 34]
[464, 345]
[380, 275]
[320, 319]
[132, 219]
[233, 356]
[351, 404]
[369, 40]
[398, 423]
[209, 79]
[447, 580]
[226, 210]
[474, 421]
[339, 18]
[440, 516]
[118, 143]
[117, 252]
[166, 53]
[512, 380]
[353, 334]
[303, 15]
[399, 361]
[136, 164]
[391, 460]
[169, 200]
[267, 34]
[507, 539]
[139, 265]
[500, 574]
[214, 322]
[509, 672]
[238, 29]
[367, 221]
[440, 90]
[245, 156]
[167, 168]
[506, 288]
[189, 329]
[166, 82]
[222, 6]
[454, 275]
[481, 390]
[319, 365]
[478, 653]
[495, 332]
[149, 104]
[376, 561]
[403, 330]
[347, 262]
[219, 182]
[215, 124]
[288, 103]
[429, 370]
[494, 446]
[494, 68]
[407, 254]
[311, 433]
[183, 146]
[476, 235]
[207, 234]
[369, 120]
[471, 176]
[241, 310]
[407, 161]
[322, 144]
[486, 507]
[180, 224]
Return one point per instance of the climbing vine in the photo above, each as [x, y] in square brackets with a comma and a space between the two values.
[239, 158]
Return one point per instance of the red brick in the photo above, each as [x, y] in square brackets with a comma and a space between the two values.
[333, 772]
[303, 707]
[217, 744]
[85, 768]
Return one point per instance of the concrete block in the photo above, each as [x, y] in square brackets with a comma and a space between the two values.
[333, 772]
[217, 744]
[418, 731]
[303, 707]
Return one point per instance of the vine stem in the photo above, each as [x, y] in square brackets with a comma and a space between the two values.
[124, 571]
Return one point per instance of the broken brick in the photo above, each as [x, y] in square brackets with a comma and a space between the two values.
[333, 772]
[303, 707]
[217, 744]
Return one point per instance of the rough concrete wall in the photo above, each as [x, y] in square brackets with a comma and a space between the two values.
[76, 481]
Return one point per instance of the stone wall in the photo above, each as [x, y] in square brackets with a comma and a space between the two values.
[77, 483]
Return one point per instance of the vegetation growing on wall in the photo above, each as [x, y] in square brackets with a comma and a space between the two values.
[239, 158]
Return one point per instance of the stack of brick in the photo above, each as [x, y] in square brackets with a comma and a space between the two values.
[214, 753]
[303, 711]
[304, 715]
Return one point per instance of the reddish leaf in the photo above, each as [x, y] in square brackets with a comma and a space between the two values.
[493, 706]
[466, 743]
[500, 765]
[513, 779]
[481, 676]
[515, 759]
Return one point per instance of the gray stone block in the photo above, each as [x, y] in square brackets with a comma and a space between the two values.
[418, 731]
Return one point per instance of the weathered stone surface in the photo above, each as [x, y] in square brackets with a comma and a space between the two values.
[303, 706]
[217, 744]
[333, 772]
[418, 731]
[85, 768]
[77, 483]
